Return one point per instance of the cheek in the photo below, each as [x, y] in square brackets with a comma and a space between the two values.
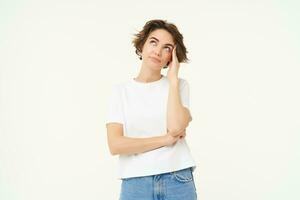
[147, 49]
[168, 56]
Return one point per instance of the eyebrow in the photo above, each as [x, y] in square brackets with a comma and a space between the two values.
[168, 44]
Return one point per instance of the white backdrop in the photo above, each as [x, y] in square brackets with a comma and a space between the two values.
[59, 59]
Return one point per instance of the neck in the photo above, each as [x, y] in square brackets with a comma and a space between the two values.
[147, 75]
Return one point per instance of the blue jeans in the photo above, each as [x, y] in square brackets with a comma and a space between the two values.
[177, 185]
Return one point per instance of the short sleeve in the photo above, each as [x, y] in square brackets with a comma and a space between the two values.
[185, 94]
[114, 111]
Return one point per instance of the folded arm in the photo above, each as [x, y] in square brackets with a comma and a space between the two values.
[178, 116]
[120, 144]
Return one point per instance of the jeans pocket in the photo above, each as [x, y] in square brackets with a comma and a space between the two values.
[183, 176]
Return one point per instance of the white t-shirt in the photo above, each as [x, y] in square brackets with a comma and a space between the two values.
[142, 109]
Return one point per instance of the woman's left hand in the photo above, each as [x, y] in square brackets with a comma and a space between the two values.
[172, 74]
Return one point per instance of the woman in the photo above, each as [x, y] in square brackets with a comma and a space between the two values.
[147, 118]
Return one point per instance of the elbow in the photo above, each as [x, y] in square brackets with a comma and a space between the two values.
[175, 128]
[113, 150]
[117, 151]
[180, 123]
[114, 144]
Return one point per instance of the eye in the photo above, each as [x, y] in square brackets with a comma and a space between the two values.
[168, 49]
[152, 42]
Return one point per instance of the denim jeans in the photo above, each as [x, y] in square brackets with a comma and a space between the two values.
[177, 185]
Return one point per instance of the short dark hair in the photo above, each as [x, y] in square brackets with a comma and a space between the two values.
[141, 37]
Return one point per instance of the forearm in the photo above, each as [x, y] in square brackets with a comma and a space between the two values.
[177, 115]
[128, 145]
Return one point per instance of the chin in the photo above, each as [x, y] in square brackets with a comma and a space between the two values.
[155, 66]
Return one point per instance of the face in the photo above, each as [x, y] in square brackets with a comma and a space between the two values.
[157, 50]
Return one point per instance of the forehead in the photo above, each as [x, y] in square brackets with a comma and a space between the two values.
[162, 35]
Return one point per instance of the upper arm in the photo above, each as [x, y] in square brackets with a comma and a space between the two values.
[175, 132]
[114, 131]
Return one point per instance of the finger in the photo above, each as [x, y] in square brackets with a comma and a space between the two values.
[176, 133]
[174, 49]
[183, 136]
[182, 133]
[174, 52]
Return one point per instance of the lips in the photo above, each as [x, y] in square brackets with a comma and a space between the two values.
[155, 59]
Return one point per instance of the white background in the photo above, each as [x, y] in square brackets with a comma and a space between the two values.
[59, 59]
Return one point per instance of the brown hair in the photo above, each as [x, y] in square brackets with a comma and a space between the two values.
[141, 37]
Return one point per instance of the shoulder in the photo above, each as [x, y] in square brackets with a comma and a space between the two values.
[183, 82]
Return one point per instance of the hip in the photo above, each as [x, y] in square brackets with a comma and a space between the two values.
[172, 186]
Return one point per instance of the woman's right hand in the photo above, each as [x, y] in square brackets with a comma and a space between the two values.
[180, 132]
[170, 139]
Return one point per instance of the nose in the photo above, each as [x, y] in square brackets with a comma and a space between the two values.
[157, 51]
